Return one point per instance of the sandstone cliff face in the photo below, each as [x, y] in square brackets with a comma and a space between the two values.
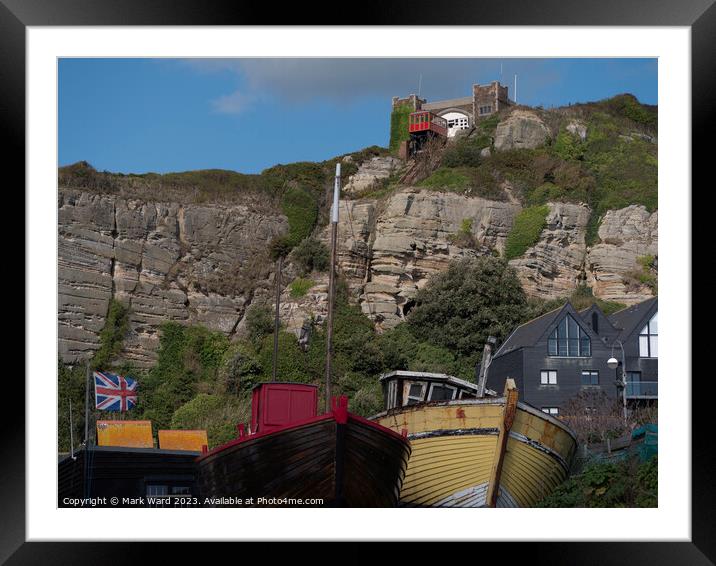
[412, 241]
[554, 266]
[371, 172]
[165, 261]
[206, 263]
[626, 235]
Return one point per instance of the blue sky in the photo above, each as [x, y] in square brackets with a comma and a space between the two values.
[161, 115]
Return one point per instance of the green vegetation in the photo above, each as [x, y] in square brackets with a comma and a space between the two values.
[301, 209]
[464, 237]
[399, 126]
[112, 335]
[626, 483]
[300, 286]
[525, 232]
[311, 255]
[259, 322]
[217, 414]
[464, 180]
[615, 166]
[471, 300]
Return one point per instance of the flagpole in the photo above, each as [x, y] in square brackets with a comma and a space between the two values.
[87, 388]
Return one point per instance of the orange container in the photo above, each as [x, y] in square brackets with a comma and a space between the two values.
[191, 440]
[129, 434]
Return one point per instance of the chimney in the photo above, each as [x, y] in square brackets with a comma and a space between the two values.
[484, 365]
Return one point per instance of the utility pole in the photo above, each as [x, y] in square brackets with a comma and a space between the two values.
[332, 284]
[515, 89]
[276, 317]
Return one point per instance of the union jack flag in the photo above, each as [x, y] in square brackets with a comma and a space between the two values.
[114, 392]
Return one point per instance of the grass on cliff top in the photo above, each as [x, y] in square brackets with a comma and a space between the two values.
[615, 166]
[526, 230]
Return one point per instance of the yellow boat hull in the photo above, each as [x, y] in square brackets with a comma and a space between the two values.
[454, 450]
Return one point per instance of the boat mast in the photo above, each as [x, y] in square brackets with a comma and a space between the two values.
[332, 284]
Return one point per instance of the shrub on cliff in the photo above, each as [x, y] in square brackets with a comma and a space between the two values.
[311, 255]
[111, 336]
[217, 414]
[525, 232]
[473, 299]
[259, 322]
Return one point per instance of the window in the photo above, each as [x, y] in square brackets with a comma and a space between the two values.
[595, 322]
[485, 110]
[590, 377]
[551, 410]
[416, 392]
[440, 392]
[649, 339]
[569, 340]
[548, 377]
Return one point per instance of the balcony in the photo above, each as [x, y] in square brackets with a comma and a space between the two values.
[642, 389]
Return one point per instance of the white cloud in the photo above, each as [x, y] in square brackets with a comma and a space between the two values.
[234, 103]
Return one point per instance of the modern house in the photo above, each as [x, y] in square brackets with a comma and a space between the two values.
[564, 352]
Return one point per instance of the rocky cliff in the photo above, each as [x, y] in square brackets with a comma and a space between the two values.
[205, 263]
[165, 261]
[389, 250]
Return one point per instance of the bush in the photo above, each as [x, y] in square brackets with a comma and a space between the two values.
[259, 322]
[300, 286]
[241, 369]
[473, 299]
[111, 336]
[626, 483]
[526, 230]
[301, 209]
[219, 415]
[311, 255]
[465, 151]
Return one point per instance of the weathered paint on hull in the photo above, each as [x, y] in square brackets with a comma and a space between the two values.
[453, 451]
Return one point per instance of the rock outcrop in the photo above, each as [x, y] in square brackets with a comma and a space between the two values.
[371, 172]
[165, 261]
[521, 129]
[626, 235]
[554, 266]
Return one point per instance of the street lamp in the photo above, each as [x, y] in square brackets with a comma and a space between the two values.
[613, 363]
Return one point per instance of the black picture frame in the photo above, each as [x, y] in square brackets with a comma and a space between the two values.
[699, 15]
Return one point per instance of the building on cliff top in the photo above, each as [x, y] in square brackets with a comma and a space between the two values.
[462, 113]
[555, 357]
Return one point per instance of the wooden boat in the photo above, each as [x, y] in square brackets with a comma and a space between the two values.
[470, 450]
[291, 455]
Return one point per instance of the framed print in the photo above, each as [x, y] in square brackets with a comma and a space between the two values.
[410, 262]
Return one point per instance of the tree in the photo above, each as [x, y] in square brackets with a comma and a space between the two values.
[473, 299]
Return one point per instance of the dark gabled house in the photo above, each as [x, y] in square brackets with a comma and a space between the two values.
[564, 352]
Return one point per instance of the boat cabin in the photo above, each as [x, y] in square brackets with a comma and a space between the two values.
[275, 405]
[402, 388]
